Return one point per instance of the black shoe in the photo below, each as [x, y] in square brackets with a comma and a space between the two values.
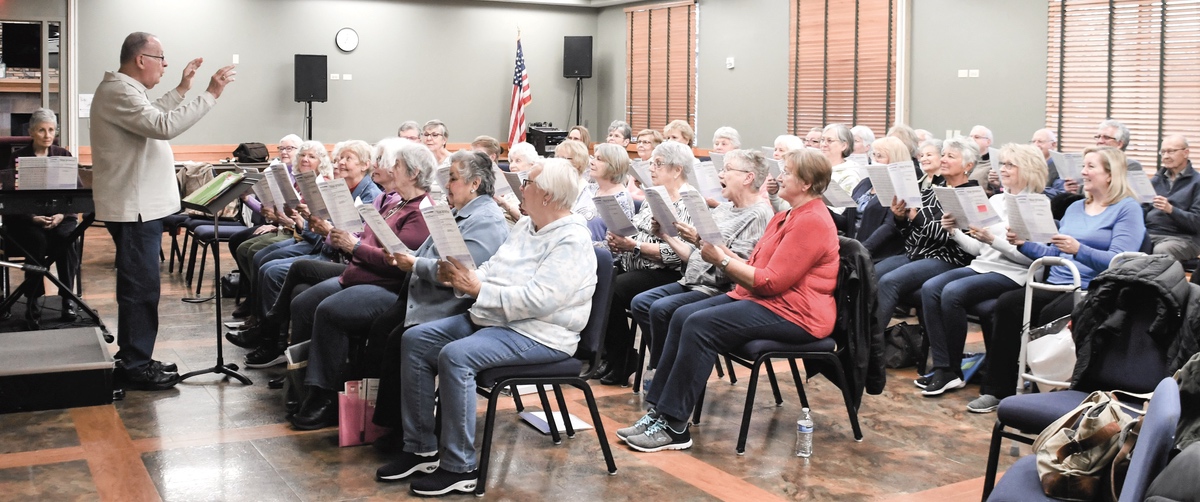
[277, 382]
[407, 465]
[33, 314]
[601, 370]
[246, 339]
[391, 442]
[319, 411]
[441, 482]
[244, 310]
[265, 356]
[621, 370]
[942, 381]
[68, 312]
[165, 367]
[149, 377]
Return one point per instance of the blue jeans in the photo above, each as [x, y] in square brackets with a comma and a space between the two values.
[698, 332]
[454, 350]
[272, 276]
[945, 300]
[327, 314]
[652, 310]
[138, 288]
[898, 277]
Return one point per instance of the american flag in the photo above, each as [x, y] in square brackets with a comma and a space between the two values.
[520, 98]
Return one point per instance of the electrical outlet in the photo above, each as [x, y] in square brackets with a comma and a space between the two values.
[962, 73]
[974, 73]
[347, 76]
[334, 76]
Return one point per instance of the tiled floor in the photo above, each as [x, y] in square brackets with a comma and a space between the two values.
[211, 439]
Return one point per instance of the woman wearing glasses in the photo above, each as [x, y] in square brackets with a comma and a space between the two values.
[646, 260]
[435, 136]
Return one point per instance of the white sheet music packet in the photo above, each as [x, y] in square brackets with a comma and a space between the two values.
[968, 205]
[661, 207]
[446, 236]
[312, 194]
[340, 203]
[614, 217]
[1030, 217]
[895, 180]
[379, 226]
[702, 217]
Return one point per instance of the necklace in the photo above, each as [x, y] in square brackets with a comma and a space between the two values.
[395, 208]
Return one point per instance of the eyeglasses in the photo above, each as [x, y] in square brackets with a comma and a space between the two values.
[645, 142]
[527, 181]
[160, 58]
[657, 164]
[826, 141]
[432, 134]
[727, 169]
[1103, 137]
[1170, 151]
[978, 137]
[1007, 164]
[288, 148]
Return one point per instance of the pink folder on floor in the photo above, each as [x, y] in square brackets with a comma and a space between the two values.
[354, 421]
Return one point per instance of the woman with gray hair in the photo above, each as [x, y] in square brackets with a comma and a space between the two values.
[44, 236]
[783, 144]
[330, 311]
[532, 299]
[521, 157]
[837, 143]
[609, 169]
[863, 137]
[726, 139]
[646, 260]
[742, 221]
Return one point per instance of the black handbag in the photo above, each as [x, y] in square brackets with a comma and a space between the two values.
[251, 152]
[905, 346]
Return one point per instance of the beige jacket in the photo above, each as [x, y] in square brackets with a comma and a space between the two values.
[134, 168]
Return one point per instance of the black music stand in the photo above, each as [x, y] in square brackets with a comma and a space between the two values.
[213, 208]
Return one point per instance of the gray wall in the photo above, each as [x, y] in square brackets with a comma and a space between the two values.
[451, 60]
[1005, 41]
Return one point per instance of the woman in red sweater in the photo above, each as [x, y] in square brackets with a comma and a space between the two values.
[784, 292]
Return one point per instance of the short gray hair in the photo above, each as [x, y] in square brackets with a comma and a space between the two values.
[359, 148]
[617, 160]
[132, 47]
[474, 165]
[864, 133]
[844, 135]
[789, 141]
[730, 134]
[986, 132]
[966, 147]
[291, 138]
[620, 125]
[559, 179]
[907, 136]
[675, 154]
[438, 124]
[526, 150]
[934, 142]
[42, 115]
[325, 168]
[409, 125]
[752, 161]
[1122, 131]
[418, 161]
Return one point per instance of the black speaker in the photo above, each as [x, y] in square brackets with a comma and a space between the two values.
[310, 78]
[577, 57]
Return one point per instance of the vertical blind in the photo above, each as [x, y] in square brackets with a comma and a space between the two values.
[842, 64]
[1134, 61]
[661, 57]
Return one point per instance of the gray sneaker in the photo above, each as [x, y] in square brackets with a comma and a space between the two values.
[986, 403]
[660, 437]
[637, 428]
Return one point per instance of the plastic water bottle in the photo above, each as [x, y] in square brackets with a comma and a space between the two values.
[804, 433]
[647, 378]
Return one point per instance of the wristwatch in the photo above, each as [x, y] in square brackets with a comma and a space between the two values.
[724, 263]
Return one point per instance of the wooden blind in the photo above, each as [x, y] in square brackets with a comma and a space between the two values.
[1135, 61]
[842, 64]
[661, 57]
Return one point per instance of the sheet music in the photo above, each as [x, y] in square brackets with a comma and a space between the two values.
[443, 177]
[614, 217]
[641, 171]
[661, 207]
[836, 196]
[1068, 165]
[340, 204]
[1029, 217]
[446, 236]
[708, 182]
[994, 159]
[769, 151]
[895, 180]
[276, 196]
[382, 230]
[279, 176]
[262, 190]
[860, 159]
[968, 205]
[774, 167]
[312, 194]
[718, 161]
[514, 180]
[501, 189]
[47, 173]
[1141, 186]
[702, 217]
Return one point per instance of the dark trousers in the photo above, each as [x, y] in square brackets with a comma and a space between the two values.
[389, 404]
[945, 300]
[652, 310]
[618, 343]
[1004, 347]
[303, 272]
[138, 288]
[40, 243]
[699, 332]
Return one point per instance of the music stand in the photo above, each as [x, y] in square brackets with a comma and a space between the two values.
[213, 208]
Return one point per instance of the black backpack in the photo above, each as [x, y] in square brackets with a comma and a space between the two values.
[251, 152]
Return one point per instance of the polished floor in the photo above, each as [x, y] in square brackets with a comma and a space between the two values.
[214, 439]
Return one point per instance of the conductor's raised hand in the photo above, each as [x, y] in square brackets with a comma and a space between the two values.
[216, 85]
[189, 72]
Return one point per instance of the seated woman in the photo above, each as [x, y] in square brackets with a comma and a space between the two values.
[645, 260]
[521, 157]
[609, 168]
[328, 312]
[1093, 230]
[580, 133]
[532, 299]
[44, 236]
[288, 146]
[837, 143]
[742, 221]
[576, 153]
[928, 249]
[784, 292]
[998, 268]
[875, 229]
[929, 159]
[647, 141]
[783, 144]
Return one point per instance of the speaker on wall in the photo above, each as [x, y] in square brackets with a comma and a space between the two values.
[577, 57]
[310, 78]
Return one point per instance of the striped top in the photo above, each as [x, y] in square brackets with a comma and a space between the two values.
[643, 221]
[741, 227]
[924, 236]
